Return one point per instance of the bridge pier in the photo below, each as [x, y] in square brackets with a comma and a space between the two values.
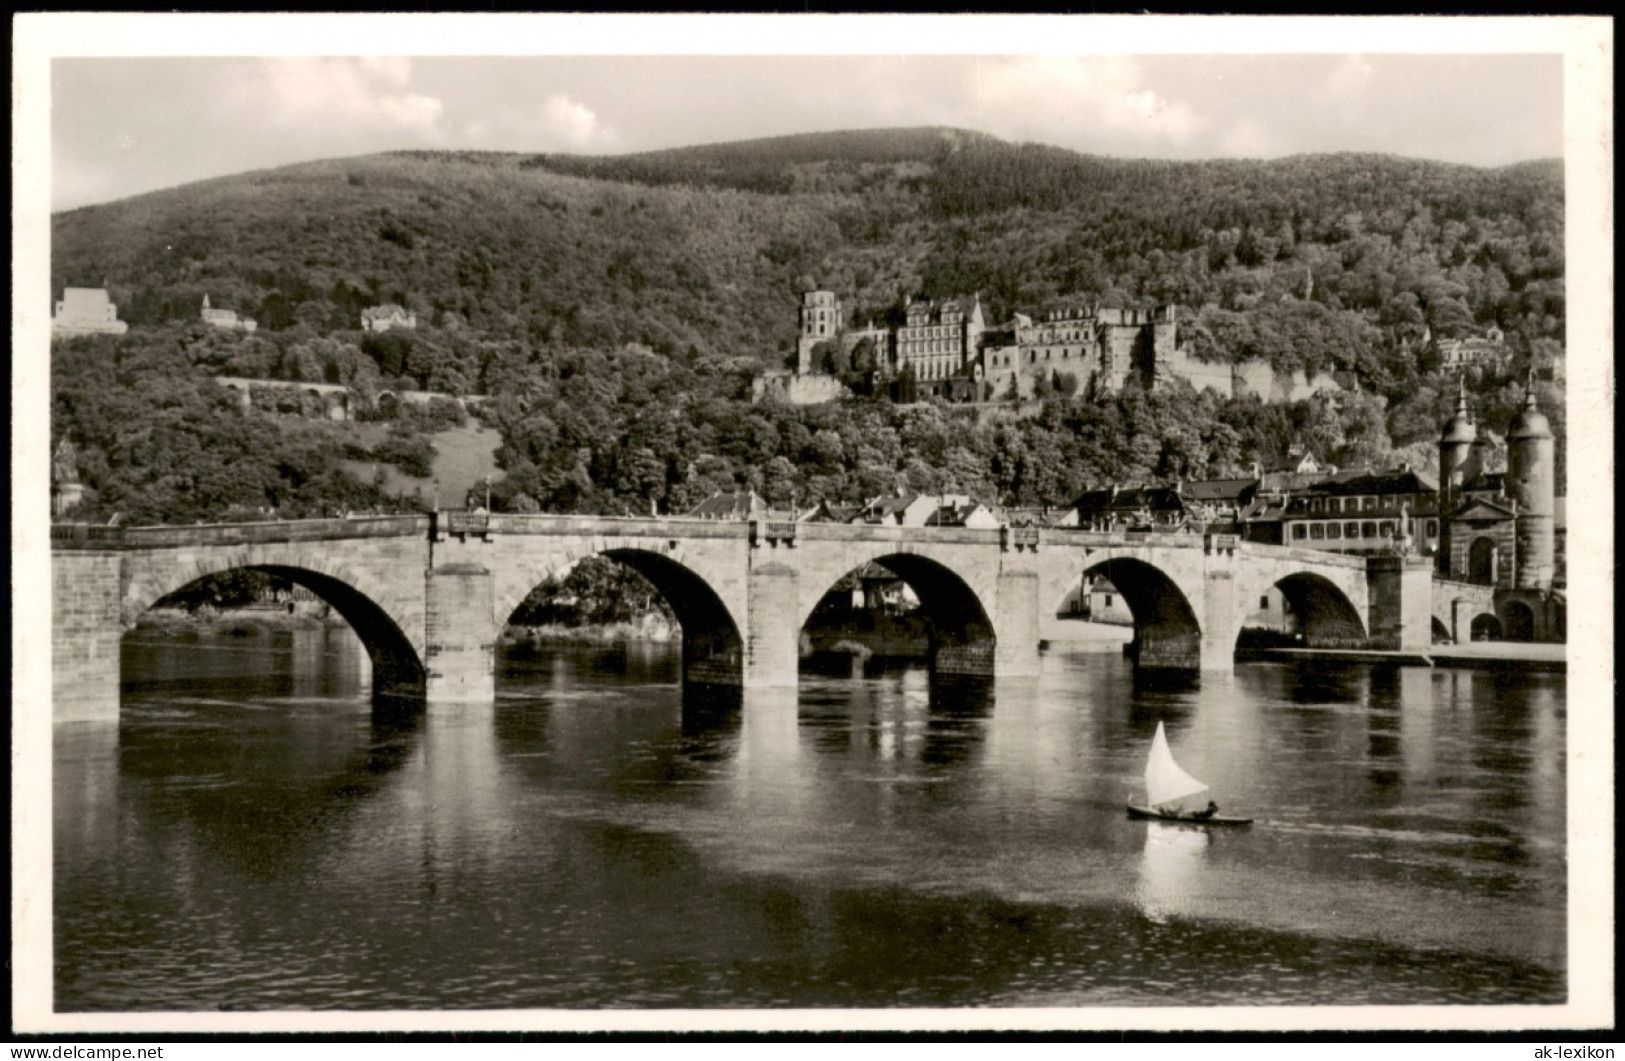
[1400, 592]
[86, 633]
[773, 642]
[1016, 625]
[1220, 627]
[460, 649]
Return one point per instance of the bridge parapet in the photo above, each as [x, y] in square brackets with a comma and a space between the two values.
[1094, 539]
[570, 526]
[86, 536]
[893, 533]
[273, 532]
[1293, 554]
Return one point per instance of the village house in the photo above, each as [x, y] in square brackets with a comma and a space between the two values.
[1213, 501]
[87, 311]
[386, 317]
[225, 318]
[1131, 508]
[966, 513]
[828, 512]
[736, 505]
[909, 510]
[1366, 513]
[1472, 351]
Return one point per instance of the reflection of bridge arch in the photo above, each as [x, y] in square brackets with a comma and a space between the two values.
[397, 661]
[1327, 618]
[1167, 632]
[962, 637]
[713, 650]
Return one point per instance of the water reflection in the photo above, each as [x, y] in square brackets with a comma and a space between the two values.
[956, 722]
[1171, 870]
[604, 836]
[261, 786]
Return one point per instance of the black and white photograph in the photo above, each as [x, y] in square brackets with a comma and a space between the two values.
[779, 523]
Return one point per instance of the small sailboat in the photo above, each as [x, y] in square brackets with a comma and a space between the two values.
[1166, 784]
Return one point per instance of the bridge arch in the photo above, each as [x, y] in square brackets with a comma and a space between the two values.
[397, 659]
[1324, 614]
[713, 648]
[1518, 621]
[1167, 631]
[961, 635]
[1485, 627]
[1441, 632]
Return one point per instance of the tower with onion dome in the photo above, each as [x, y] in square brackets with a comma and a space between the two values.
[1531, 482]
[1456, 440]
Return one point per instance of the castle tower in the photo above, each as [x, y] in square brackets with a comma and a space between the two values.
[1532, 482]
[1456, 440]
[820, 322]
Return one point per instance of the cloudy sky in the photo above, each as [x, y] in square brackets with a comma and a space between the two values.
[137, 111]
[122, 122]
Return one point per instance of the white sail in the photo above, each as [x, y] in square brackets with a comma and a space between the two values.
[1165, 782]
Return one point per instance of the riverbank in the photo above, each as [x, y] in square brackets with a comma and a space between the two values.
[233, 622]
[1516, 655]
[649, 628]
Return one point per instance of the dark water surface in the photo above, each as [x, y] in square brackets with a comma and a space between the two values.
[253, 835]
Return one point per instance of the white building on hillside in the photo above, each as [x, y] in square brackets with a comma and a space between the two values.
[87, 311]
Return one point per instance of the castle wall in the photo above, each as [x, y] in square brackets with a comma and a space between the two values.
[1202, 375]
[797, 389]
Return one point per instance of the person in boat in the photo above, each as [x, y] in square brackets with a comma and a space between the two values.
[1202, 815]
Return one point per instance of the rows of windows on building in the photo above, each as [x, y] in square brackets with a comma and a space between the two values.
[950, 350]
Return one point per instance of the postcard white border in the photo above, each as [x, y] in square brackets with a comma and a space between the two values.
[1585, 44]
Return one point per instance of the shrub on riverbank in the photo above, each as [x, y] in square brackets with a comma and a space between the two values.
[175, 622]
[648, 628]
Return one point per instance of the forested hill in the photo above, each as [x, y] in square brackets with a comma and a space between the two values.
[617, 306]
[705, 250]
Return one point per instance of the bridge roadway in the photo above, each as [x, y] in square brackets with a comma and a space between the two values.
[429, 594]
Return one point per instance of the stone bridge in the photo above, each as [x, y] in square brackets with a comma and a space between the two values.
[429, 594]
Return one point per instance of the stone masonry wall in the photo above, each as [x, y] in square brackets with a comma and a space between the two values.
[85, 636]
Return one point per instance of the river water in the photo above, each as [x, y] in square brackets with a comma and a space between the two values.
[252, 835]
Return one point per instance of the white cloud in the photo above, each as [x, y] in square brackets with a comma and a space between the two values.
[575, 124]
[558, 123]
[366, 97]
[1094, 98]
